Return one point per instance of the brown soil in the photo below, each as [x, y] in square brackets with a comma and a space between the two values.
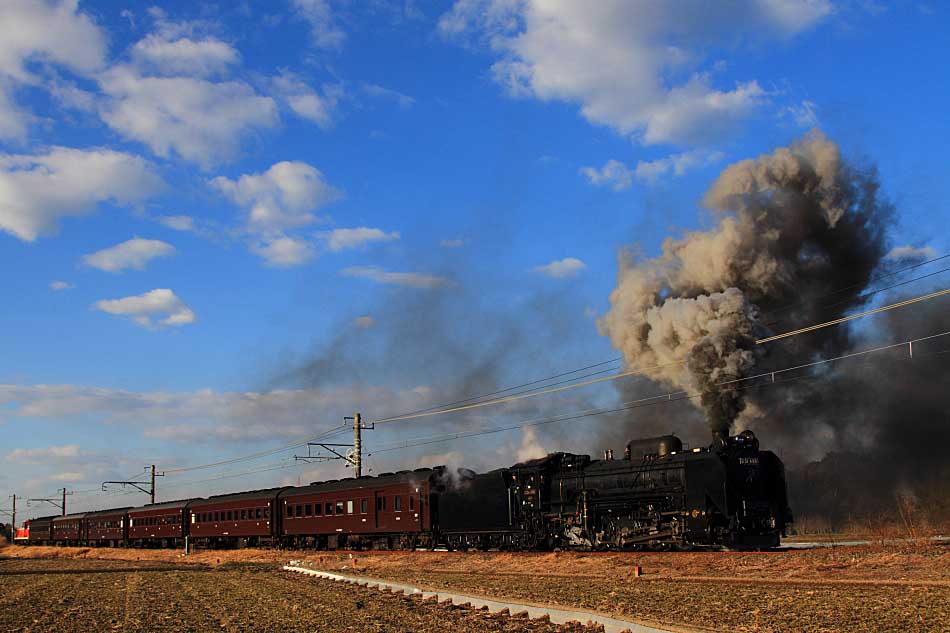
[840, 589]
[105, 596]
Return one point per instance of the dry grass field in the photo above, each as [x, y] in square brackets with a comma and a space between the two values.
[903, 588]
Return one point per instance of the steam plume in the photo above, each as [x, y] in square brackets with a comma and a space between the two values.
[792, 226]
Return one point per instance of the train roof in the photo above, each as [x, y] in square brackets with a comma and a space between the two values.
[240, 496]
[77, 515]
[165, 505]
[385, 479]
[99, 513]
[39, 519]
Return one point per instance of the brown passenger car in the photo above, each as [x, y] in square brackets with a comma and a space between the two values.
[107, 527]
[69, 530]
[391, 510]
[41, 530]
[158, 524]
[238, 519]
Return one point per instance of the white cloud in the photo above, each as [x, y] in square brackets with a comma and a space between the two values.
[561, 268]
[375, 90]
[343, 239]
[618, 59]
[41, 31]
[306, 102]
[135, 253]
[184, 56]
[284, 196]
[613, 174]
[453, 243]
[364, 322]
[60, 285]
[201, 121]
[37, 191]
[40, 455]
[383, 276]
[323, 29]
[71, 476]
[676, 164]
[237, 416]
[153, 309]
[908, 252]
[283, 251]
[178, 222]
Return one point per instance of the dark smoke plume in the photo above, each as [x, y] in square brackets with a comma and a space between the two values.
[792, 226]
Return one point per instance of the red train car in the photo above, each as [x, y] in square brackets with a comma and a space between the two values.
[21, 536]
[391, 510]
[245, 518]
[107, 528]
[69, 530]
[159, 524]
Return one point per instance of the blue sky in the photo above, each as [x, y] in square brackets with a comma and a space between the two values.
[198, 199]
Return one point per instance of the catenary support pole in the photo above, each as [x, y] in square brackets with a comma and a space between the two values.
[357, 448]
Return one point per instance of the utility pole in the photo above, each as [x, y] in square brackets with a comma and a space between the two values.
[12, 514]
[352, 458]
[53, 502]
[357, 447]
[138, 484]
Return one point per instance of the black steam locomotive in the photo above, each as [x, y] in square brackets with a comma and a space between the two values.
[659, 495]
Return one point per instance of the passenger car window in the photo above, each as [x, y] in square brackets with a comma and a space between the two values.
[298, 511]
[328, 509]
[349, 506]
[317, 509]
[339, 507]
[412, 502]
[308, 510]
[363, 506]
[397, 503]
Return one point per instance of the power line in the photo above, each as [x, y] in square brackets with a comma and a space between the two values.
[859, 285]
[632, 372]
[669, 397]
[866, 295]
[265, 453]
[852, 317]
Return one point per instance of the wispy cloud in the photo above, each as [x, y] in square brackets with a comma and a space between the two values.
[613, 174]
[383, 276]
[909, 252]
[135, 254]
[344, 239]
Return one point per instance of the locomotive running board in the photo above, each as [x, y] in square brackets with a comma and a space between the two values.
[557, 616]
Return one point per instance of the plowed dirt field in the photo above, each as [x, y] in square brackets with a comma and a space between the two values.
[81, 596]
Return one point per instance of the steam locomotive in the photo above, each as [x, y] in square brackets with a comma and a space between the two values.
[660, 495]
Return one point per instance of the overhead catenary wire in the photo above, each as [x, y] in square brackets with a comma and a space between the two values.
[546, 391]
[863, 296]
[654, 400]
[670, 397]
